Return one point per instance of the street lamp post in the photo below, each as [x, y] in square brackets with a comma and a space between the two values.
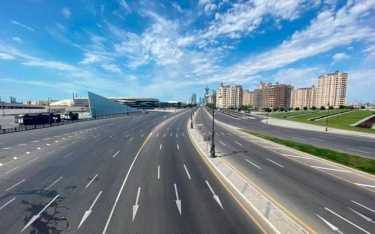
[212, 151]
[49, 111]
[191, 119]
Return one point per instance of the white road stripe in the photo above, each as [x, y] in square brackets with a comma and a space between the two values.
[11, 170]
[187, 172]
[270, 147]
[161, 145]
[230, 134]
[131, 139]
[94, 152]
[116, 154]
[33, 160]
[365, 185]
[50, 152]
[295, 156]
[158, 171]
[361, 151]
[178, 147]
[53, 183]
[91, 181]
[347, 221]
[275, 162]
[35, 141]
[7, 148]
[253, 164]
[363, 206]
[7, 203]
[21, 144]
[15, 185]
[222, 143]
[330, 169]
[67, 155]
[63, 146]
[238, 143]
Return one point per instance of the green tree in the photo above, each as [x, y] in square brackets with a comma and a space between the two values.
[363, 107]
[331, 107]
[297, 108]
[305, 108]
[342, 107]
[313, 108]
[282, 109]
[322, 108]
[275, 109]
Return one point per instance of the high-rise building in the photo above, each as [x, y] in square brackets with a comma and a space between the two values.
[247, 99]
[332, 89]
[303, 97]
[268, 95]
[193, 99]
[229, 96]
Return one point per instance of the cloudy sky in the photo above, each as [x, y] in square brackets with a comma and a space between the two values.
[170, 49]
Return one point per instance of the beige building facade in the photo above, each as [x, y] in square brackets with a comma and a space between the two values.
[247, 99]
[332, 89]
[229, 96]
[303, 97]
[269, 95]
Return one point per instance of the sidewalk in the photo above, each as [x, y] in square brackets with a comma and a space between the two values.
[311, 127]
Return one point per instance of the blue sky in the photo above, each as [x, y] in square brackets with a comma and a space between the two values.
[170, 49]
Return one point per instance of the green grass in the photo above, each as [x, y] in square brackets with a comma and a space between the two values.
[357, 162]
[340, 121]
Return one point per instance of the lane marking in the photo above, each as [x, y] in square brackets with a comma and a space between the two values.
[187, 172]
[94, 152]
[315, 138]
[11, 170]
[63, 146]
[176, 134]
[216, 197]
[361, 151]
[22, 144]
[135, 207]
[170, 134]
[50, 152]
[32, 160]
[15, 185]
[271, 147]
[347, 221]
[35, 141]
[274, 162]
[330, 169]
[238, 143]
[295, 156]
[91, 181]
[142, 135]
[230, 134]
[161, 145]
[7, 203]
[253, 164]
[331, 138]
[158, 171]
[53, 183]
[368, 219]
[116, 154]
[365, 185]
[164, 135]
[183, 134]
[88, 212]
[222, 143]
[68, 154]
[7, 148]
[157, 135]
[178, 201]
[363, 206]
[131, 139]
[178, 147]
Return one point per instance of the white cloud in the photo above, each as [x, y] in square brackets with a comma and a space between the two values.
[338, 57]
[124, 6]
[111, 67]
[22, 25]
[90, 58]
[361, 85]
[17, 39]
[298, 77]
[177, 7]
[5, 56]
[54, 65]
[66, 12]
[209, 8]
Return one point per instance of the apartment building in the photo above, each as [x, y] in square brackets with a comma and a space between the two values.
[247, 99]
[303, 97]
[332, 89]
[269, 95]
[229, 96]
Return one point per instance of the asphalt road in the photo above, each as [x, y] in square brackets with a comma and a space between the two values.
[112, 176]
[348, 144]
[309, 194]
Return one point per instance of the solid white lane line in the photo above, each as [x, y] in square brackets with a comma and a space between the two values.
[53, 183]
[116, 154]
[50, 152]
[216, 197]
[35, 217]
[178, 147]
[315, 138]
[131, 139]
[301, 139]
[11, 170]
[333, 227]
[330, 169]
[275, 162]
[91, 181]
[363, 206]
[362, 147]
[361, 151]
[15, 185]
[88, 212]
[238, 143]
[161, 145]
[68, 154]
[187, 172]
[7, 203]
[135, 207]
[347, 221]
[158, 171]
[253, 164]
[365, 185]
[32, 160]
[222, 143]
[295, 156]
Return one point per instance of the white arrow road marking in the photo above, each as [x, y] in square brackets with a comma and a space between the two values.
[116, 154]
[7, 203]
[362, 215]
[88, 212]
[363, 206]
[178, 201]
[135, 207]
[35, 217]
[91, 181]
[53, 183]
[347, 221]
[15, 185]
[216, 197]
[334, 228]
[187, 172]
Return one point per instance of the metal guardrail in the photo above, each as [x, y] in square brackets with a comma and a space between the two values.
[39, 126]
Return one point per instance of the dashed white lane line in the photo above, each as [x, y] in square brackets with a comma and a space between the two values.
[68, 154]
[295, 156]
[116, 154]
[27, 152]
[330, 169]
[7, 148]
[297, 138]
[164, 135]
[131, 139]
[48, 144]
[35, 141]
[183, 134]
[157, 135]
[238, 143]
[50, 152]
[11, 170]
[32, 160]
[361, 151]
[176, 135]
[363, 206]
[317, 139]
[38, 148]
[347, 221]
[253, 164]
[161, 145]
[91, 181]
[187, 172]
[158, 171]
[15, 185]
[222, 143]
[53, 183]
[170, 134]
[7, 203]
[275, 162]
[63, 146]
[22, 144]
[365, 185]
[362, 147]
[178, 147]
[142, 135]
